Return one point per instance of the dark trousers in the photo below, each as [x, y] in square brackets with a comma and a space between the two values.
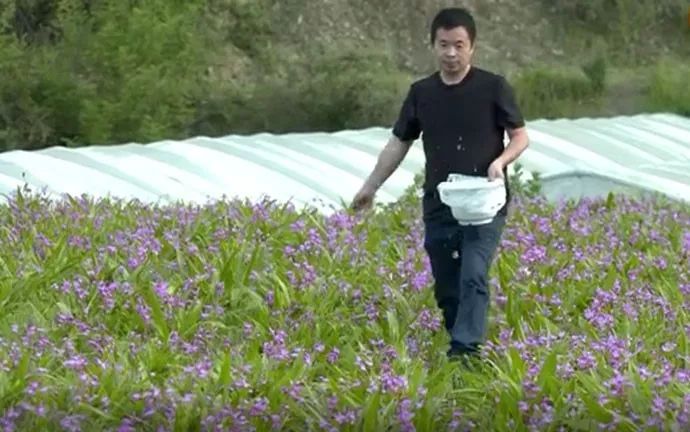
[460, 259]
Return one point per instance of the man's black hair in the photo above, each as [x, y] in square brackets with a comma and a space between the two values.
[450, 18]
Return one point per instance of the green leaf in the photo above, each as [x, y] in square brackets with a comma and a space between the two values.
[227, 273]
[157, 315]
[224, 376]
[610, 201]
[370, 417]
[594, 409]
[6, 292]
[252, 262]
[22, 369]
[547, 378]
[589, 392]
[393, 325]
[190, 320]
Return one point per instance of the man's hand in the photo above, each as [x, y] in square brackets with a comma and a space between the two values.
[519, 141]
[364, 198]
[496, 170]
[388, 161]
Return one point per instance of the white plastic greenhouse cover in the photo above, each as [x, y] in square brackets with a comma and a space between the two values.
[574, 158]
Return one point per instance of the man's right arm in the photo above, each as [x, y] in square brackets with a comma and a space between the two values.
[405, 131]
[388, 161]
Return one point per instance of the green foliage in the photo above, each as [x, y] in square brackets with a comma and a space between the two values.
[146, 63]
[668, 89]
[32, 21]
[82, 72]
[124, 71]
[625, 23]
[527, 188]
[341, 87]
[350, 88]
[596, 73]
[118, 73]
[550, 92]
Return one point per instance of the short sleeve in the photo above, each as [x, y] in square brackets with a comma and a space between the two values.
[508, 112]
[407, 126]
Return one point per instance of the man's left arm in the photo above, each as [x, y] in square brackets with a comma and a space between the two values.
[519, 141]
[509, 117]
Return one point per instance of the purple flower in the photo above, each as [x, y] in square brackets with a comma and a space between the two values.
[661, 263]
[31, 388]
[421, 280]
[200, 369]
[276, 348]
[259, 407]
[161, 289]
[405, 415]
[428, 321]
[617, 384]
[7, 421]
[333, 355]
[77, 362]
[107, 292]
[295, 391]
[298, 226]
[247, 329]
[392, 383]
[277, 421]
[372, 311]
[127, 425]
[72, 423]
[586, 361]
[455, 421]
[347, 417]
[144, 311]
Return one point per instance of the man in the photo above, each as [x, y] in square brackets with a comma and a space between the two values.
[462, 113]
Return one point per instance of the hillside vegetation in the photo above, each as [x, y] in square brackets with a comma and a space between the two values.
[85, 72]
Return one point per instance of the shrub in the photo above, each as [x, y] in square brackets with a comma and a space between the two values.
[550, 93]
[144, 64]
[40, 105]
[339, 88]
[121, 72]
[352, 88]
[118, 73]
[669, 89]
[624, 18]
[596, 73]
[97, 72]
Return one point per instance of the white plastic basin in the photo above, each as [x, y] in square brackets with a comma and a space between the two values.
[473, 200]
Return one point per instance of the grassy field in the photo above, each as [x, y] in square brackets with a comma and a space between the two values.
[120, 316]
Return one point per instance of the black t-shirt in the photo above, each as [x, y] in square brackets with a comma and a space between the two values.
[462, 128]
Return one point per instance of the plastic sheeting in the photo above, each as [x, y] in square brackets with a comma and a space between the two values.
[574, 158]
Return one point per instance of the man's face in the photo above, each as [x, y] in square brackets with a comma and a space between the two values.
[453, 49]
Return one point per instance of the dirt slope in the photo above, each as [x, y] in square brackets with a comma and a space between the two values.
[511, 33]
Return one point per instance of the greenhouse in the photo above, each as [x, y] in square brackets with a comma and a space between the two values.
[638, 154]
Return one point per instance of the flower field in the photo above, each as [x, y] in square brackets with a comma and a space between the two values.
[231, 316]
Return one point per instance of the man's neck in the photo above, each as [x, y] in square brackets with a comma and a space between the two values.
[455, 78]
